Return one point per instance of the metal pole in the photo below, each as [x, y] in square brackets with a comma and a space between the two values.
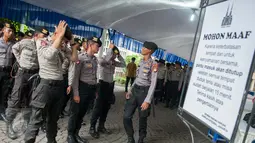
[245, 96]
[192, 50]
[191, 133]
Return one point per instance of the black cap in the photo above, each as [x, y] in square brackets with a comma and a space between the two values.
[9, 25]
[79, 41]
[29, 33]
[178, 63]
[43, 30]
[68, 34]
[84, 40]
[162, 61]
[115, 50]
[21, 34]
[96, 40]
[150, 45]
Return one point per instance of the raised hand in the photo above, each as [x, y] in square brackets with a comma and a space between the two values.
[61, 29]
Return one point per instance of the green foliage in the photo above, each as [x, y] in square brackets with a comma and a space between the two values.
[120, 80]
[17, 25]
[137, 59]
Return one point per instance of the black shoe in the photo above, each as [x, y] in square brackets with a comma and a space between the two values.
[93, 133]
[79, 139]
[103, 130]
[3, 117]
[141, 140]
[10, 133]
[65, 113]
[43, 128]
[52, 141]
[61, 115]
[83, 123]
[71, 139]
[131, 140]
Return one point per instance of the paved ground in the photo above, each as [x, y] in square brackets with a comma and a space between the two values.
[165, 128]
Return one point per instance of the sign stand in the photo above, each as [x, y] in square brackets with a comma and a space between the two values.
[203, 5]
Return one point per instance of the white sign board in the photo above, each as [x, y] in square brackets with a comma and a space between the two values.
[222, 64]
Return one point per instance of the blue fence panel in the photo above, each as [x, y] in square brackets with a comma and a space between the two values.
[34, 16]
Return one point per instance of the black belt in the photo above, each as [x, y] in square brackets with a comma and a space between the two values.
[29, 71]
[141, 87]
[5, 69]
[89, 85]
[52, 82]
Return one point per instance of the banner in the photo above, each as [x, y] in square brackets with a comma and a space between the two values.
[222, 64]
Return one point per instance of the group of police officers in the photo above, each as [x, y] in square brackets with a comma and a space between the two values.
[53, 69]
[170, 82]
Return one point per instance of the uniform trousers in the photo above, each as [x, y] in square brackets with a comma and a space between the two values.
[47, 96]
[5, 89]
[173, 94]
[102, 103]
[78, 110]
[137, 98]
[20, 96]
[65, 97]
[160, 89]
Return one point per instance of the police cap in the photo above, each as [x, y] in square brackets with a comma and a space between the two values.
[96, 40]
[9, 25]
[29, 33]
[84, 40]
[115, 50]
[79, 41]
[43, 30]
[150, 45]
[20, 34]
[162, 61]
[178, 63]
[68, 33]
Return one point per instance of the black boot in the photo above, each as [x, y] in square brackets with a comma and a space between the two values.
[11, 134]
[71, 139]
[52, 141]
[93, 132]
[43, 128]
[141, 140]
[131, 140]
[101, 129]
[79, 139]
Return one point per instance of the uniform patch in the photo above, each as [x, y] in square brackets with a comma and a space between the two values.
[155, 67]
[43, 43]
[89, 65]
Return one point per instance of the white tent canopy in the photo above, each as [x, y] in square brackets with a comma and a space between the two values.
[165, 22]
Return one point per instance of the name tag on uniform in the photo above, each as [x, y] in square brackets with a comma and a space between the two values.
[145, 71]
[89, 65]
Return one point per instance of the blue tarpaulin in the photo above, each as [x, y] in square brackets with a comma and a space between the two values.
[34, 16]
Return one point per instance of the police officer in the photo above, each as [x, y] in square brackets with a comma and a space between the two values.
[160, 80]
[26, 55]
[175, 77]
[141, 93]
[6, 62]
[68, 74]
[84, 88]
[106, 69]
[50, 89]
